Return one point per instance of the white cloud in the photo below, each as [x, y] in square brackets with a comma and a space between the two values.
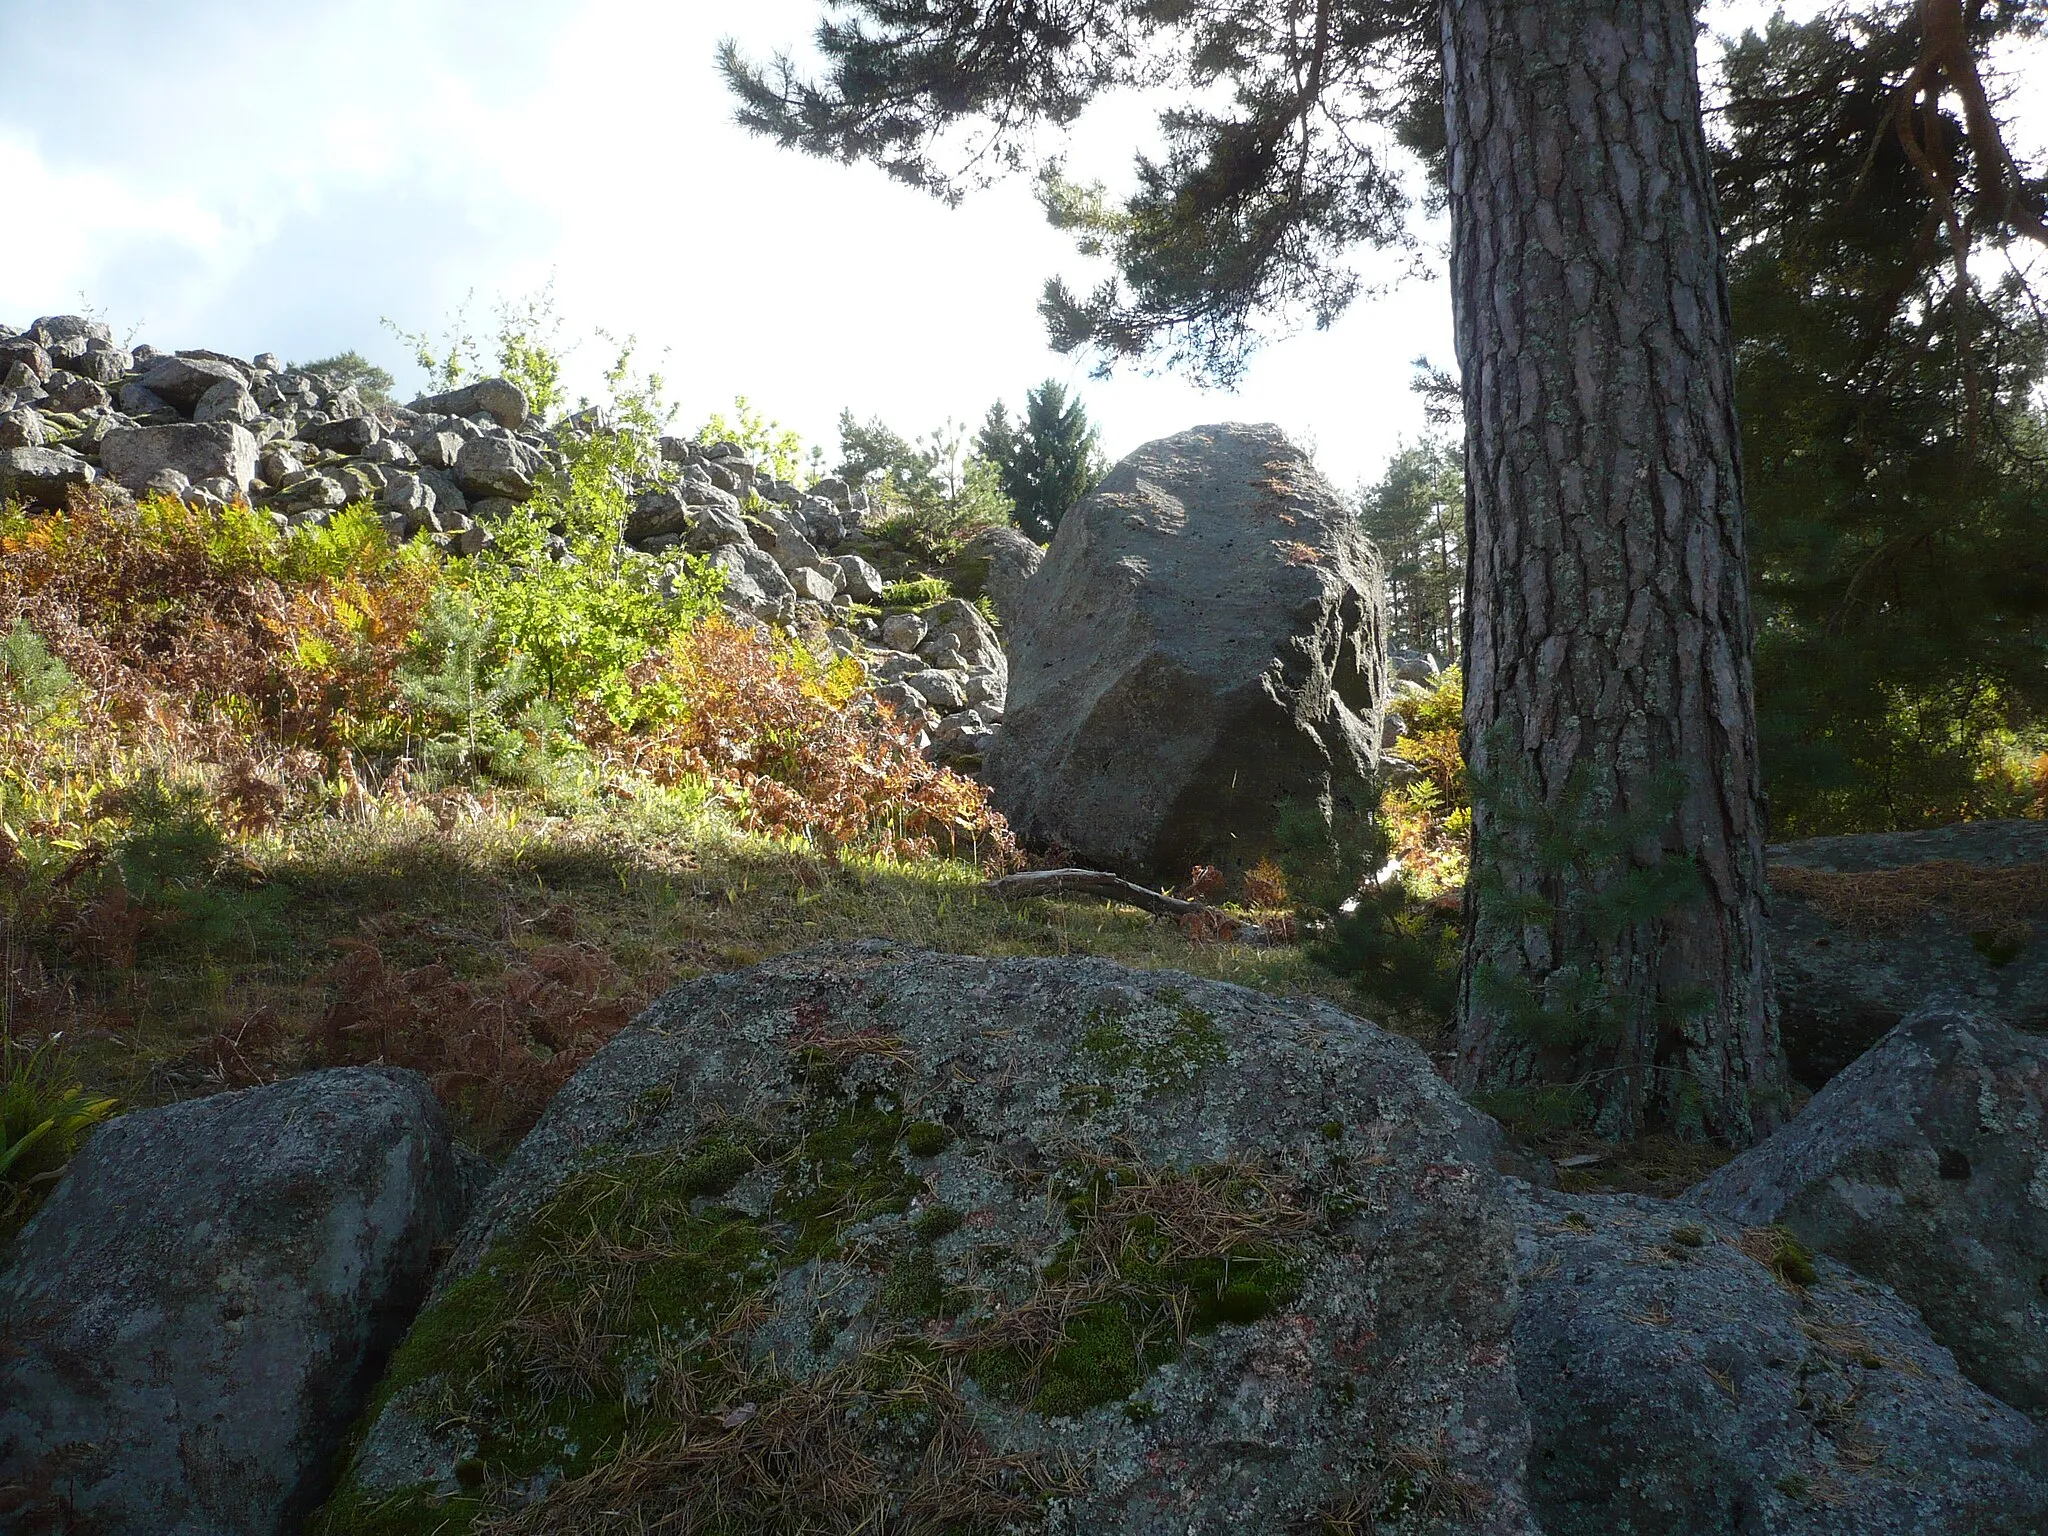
[281, 183]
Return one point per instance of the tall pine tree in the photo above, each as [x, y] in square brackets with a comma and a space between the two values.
[1888, 367]
[1047, 462]
[1609, 644]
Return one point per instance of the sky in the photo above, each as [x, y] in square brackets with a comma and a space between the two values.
[291, 184]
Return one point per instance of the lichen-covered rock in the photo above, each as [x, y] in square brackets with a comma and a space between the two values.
[1936, 931]
[1925, 1165]
[877, 1239]
[1204, 643]
[41, 477]
[134, 456]
[1007, 560]
[193, 1317]
[1686, 1376]
[500, 399]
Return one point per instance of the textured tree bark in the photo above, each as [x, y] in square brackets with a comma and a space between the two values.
[1607, 618]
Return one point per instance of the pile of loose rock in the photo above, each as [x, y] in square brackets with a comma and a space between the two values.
[78, 410]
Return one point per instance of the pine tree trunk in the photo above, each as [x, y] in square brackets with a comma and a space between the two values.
[1609, 721]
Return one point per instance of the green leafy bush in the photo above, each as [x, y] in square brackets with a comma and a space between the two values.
[774, 448]
[45, 1117]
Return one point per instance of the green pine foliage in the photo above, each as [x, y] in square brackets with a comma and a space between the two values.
[1896, 454]
[1046, 462]
[41, 685]
[45, 1117]
[1369, 922]
[1415, 515]
[778, 450]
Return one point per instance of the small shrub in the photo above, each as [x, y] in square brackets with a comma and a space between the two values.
[802, 751]
[45, 1117]
[921, 593]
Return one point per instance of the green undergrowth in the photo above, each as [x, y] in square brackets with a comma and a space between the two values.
[222, 971]
[623, 1355]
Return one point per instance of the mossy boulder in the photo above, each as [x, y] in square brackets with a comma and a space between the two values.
[873, 1239]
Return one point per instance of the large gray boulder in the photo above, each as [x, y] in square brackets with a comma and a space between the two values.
[195, 1315]
[1686, 1376]
[498, 466]
[1925, 1165]
[42, 477]
[500, 399]
[869, 1228]
[754, 583]
[1867, 929]
[222, 450]
[183, 381]
[1204, 642]
[1006, 560]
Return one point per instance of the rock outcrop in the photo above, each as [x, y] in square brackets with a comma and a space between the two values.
[1925, 1165]
[1867, 929]
[194, 1316]
[1688, 1376]
[78, 410]
[1204, 642]
[1007, 1244]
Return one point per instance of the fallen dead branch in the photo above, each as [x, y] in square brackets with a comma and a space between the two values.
[1198, 919]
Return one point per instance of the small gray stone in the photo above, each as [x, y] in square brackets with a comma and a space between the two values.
[439, 448]
[143, 403]
[346, 434]
[863, 583]
[813, 585]
[389, 450]
[498, 466]
[753, 581]
[656, 513]
[183, 381]
[24, 428]
[229, 400]
[278, 465]
[941, 690]
[904, 631]
[71, 392]
[82, 329]
[103, 366]
[29, 355]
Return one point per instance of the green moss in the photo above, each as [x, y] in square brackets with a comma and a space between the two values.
[1333, 1130]
[844, 1170]
[1691, 1235]
[940, 1221]
[914, 1288]
[927, 1138]
[1790, 1260]
[1107, 1349]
